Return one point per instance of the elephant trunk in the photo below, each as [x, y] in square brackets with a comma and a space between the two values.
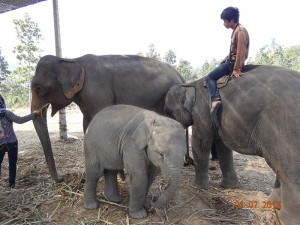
[40, 125]
[172, 177]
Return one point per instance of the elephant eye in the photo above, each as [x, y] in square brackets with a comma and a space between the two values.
[40, 91]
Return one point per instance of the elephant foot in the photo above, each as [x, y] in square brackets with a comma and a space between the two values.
[147, 204]
[112, 197]
[188, 161]
[58, 179]
[229, 183]
[91, 204]
[201, 183]
[139, 214]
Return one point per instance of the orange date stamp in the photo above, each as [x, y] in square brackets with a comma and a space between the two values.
[239, 204]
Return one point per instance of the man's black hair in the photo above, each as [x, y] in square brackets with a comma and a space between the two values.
[231, 13]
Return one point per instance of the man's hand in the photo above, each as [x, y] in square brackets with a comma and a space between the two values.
[236, 73]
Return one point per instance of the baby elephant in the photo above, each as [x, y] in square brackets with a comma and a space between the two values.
[139, 141]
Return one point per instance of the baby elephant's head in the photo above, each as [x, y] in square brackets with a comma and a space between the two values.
[165, 145]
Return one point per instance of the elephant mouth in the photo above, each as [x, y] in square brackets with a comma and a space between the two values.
[185, 125]
[56, 108]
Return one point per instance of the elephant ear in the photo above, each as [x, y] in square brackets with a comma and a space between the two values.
[141, 134]
[188, 97]
[71, 77]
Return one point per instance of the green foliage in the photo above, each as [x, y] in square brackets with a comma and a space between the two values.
[4, 72]
[207, 67]
[186, 70]
[152, 53]
[275, 54]
[170, 58]
[184, 67]
[27, 52]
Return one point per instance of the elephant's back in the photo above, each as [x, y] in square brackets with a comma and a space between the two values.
[135, 65]
[262, 81]
[112, 118]
[134, 80]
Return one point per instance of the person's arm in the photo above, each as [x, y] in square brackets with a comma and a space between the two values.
[21, 119]
[240, 53]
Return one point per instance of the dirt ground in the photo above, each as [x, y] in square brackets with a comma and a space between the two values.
[37, 199]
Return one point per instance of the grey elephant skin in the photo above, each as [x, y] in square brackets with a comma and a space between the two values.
[94, 82]
[259, 115]
[140, 141]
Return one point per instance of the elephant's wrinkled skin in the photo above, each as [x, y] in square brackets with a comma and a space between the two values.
[139, 140]
[259, 115]
[94, 82]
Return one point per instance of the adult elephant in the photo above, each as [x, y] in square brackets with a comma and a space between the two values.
[259, 115]
[94, 82]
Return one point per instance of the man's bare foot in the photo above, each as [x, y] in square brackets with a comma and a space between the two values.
[215, 104]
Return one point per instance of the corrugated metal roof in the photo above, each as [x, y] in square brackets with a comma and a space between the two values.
[8, 5]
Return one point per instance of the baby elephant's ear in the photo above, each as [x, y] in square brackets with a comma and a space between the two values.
[141, 134]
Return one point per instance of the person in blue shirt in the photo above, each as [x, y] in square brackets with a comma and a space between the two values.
[8, 139]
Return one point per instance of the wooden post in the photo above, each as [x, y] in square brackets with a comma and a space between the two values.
[62, 113]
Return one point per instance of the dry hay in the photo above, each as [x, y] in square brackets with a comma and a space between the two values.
[37, 199]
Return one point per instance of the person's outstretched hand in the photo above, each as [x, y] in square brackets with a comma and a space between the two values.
[38, 112]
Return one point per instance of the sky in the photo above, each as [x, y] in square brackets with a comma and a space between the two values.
[191, 28]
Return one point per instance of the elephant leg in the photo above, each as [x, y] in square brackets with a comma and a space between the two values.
[201, 152]
[90, 188]
[111, 189]
[152, 172]
[290, 200]
[230, 179]
[214, 153]
[275, 195]
[138, 192]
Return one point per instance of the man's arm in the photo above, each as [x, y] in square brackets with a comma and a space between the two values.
[240, 53]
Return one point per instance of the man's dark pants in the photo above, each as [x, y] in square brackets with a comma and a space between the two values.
[225, 68]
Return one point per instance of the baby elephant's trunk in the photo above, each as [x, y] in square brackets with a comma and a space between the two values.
[172, 181]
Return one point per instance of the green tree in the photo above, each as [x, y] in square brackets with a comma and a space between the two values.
[27, 52]
[207, 67]
[170, 58]
[152, 53]
[184, 67]
[292, 57]
[186, 70]
[275, 54]
[4, 72]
